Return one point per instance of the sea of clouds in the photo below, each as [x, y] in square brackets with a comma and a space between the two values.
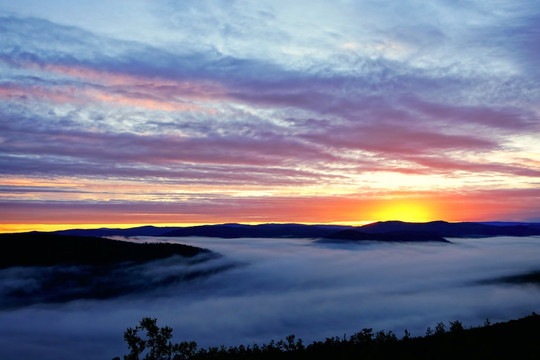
[264, 289]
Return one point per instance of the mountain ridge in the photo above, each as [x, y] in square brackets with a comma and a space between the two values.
[436, 229]
[47, 249]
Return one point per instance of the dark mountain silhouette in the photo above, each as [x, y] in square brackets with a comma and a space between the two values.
[512, 223]
[409, 231]
[65, 268]
[136, 231]
[44, 249]
[446, 229]
[401, 236]
[257, 231]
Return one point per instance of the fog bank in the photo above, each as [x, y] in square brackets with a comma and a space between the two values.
[269, 288]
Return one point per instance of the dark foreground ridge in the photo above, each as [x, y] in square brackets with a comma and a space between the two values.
[51, 268]
[392, 230]
[45, 249]
[515, 339]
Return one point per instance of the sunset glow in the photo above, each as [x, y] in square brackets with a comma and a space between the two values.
[405, 211]
[213, 112]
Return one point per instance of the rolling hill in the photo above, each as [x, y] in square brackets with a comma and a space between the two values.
[394, 230]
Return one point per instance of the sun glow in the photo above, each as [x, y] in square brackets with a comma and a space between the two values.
[410, 211]
[15, 228]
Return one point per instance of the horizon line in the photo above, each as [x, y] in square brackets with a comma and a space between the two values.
[21, 228]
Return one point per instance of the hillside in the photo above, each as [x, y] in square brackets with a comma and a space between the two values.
[135, 231]
[44, 249]
[446, 229]
[515, 339]
[393, 229]
[40, 268]
[257, 231]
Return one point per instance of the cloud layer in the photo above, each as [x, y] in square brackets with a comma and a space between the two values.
[285, 286]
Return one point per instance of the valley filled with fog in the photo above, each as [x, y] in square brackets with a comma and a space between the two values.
[264, 289]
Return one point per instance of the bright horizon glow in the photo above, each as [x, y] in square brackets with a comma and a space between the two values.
[408, 211]
[15, 228]
[315, 210]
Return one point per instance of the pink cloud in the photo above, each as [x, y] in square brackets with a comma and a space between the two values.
[386, 138]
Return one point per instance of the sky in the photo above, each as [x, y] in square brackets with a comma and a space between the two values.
[275, 287]
[124, 113]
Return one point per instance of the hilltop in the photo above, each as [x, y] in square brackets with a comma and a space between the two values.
[56, 268]
[45, 249]
[379, 231]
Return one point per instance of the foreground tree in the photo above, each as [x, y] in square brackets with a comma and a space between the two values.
[156, 343]
[516, 339]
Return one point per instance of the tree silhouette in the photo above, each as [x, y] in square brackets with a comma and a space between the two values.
[516, 339]
[155, 344]
[440, 328]
[407, 335]
[456, 327]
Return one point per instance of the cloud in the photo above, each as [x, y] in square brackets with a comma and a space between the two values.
[511, 118]
[442, 164]
[259, 206]
[220, 97]
[156, 150]
[293, 286]
[395, 139]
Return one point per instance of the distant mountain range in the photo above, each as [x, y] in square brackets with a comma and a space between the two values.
[380, 231]
[135, 231]
[462, 229]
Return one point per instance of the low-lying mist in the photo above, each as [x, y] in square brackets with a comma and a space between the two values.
[263, 289]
